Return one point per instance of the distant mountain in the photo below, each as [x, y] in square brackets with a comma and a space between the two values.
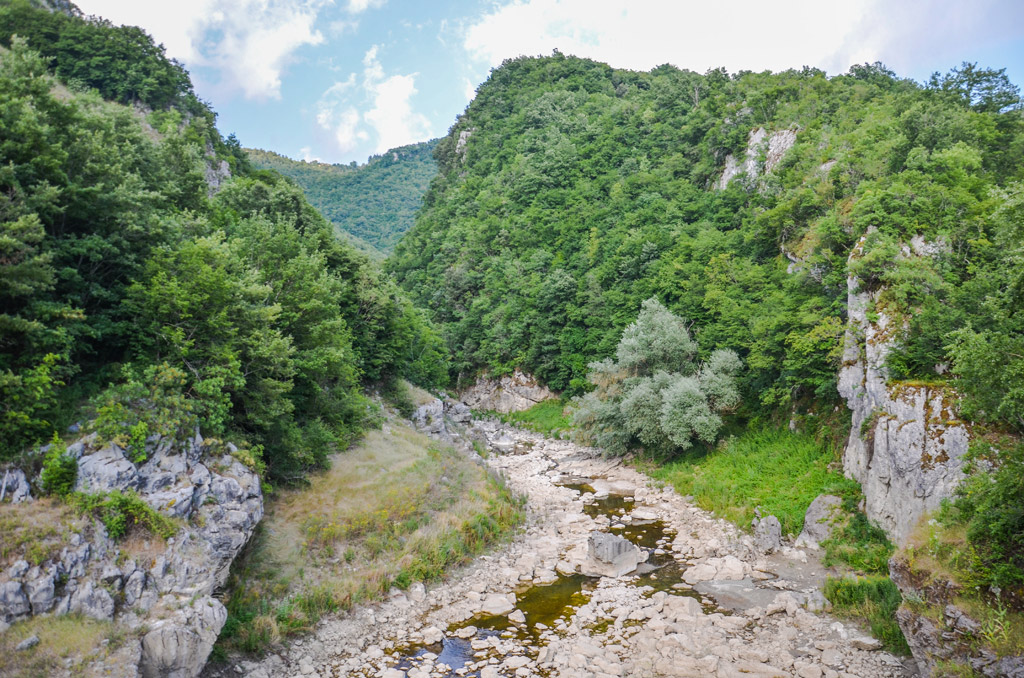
[374, 203]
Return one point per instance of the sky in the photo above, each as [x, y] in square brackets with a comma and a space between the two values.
[341, 80]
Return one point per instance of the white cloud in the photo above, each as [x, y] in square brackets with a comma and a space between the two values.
[741, 34]
[390, 116]
[358, 6]
[249, 42]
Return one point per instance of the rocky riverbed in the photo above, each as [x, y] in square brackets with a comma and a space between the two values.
[694, 596]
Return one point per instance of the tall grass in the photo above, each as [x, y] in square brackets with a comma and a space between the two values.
[874, 599]
[546, 417]
[394, 510]
[775, 469]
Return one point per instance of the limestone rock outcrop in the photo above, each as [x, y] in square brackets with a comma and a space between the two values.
[822, 517]
[168, 589]
[773, 146]
[512, 393]
[906, 445]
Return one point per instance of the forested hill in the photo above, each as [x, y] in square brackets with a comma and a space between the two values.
[146, 289]
[375, 202]
[569, 192]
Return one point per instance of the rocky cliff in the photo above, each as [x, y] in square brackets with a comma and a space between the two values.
[906, 445]
[160, 590]
[511, 393]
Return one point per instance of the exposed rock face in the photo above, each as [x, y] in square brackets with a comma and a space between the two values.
[954, 639]
[774, 147]
[822, 516]
[511, 393]
[14, 487]
[609, 555]
[906, 446]
[170, 589]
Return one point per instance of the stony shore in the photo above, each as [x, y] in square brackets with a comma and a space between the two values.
[704, 600]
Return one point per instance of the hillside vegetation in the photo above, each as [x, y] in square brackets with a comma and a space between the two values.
[569, 192]
[374, 203]
[138, 296]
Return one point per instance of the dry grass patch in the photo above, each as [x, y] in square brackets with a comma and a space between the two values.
[60, 638]
[35, 531]
[395, 509]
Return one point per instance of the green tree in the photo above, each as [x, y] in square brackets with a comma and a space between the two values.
[657, 393]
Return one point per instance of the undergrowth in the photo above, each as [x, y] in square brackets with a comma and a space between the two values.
[546, 417]
[858, 543]
[875, 599]
[778, 470]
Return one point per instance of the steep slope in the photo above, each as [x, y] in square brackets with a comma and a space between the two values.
[569, 192]
[374, 203]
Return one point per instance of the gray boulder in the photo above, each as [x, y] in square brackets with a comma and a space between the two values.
[822, 517]
[41, 593]
[429, 418]
[14, 486]
[177, 647]
[767, 533]
[609, 555]
[13, 602]
[92, 601]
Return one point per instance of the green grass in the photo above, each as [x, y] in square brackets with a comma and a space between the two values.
[874, 599]
[774, 469]
[860, 544]
[547, 417]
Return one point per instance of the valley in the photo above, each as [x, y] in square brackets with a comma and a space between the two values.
[705, 600]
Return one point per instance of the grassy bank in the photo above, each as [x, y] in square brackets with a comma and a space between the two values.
[394, 510]
[873, 599]
[775, 469]
[547, 417]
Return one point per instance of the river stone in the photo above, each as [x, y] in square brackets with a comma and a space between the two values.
[497, 604]
[820, 519]
[609, 555]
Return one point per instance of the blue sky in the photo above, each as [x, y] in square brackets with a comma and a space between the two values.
[340, 80]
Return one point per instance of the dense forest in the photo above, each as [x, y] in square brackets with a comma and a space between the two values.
[374, 203]
[570, 192]
[138, 296]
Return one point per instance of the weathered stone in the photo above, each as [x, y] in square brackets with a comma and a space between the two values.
[13, 602]
[511, 393]
[496, 604]
[92, 601]
[178, 647]
[40, 594]
[14, 486]
[28, 643]
[906, 446]
[822, 516]
[104, 470]
[429, 418]
[609, 555]
[767, 533]
[773, 146]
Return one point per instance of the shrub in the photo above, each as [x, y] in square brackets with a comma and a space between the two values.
[153, 403]
[60, 469]
[121, 511]
[656, 393]
[989, 504]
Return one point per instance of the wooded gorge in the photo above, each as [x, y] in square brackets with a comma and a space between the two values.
[718, 275]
